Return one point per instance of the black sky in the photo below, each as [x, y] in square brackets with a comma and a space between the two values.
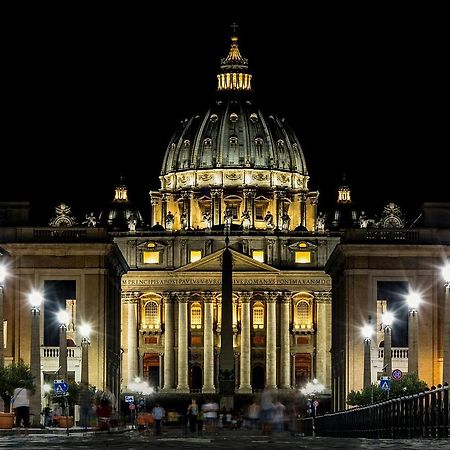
[92, 94]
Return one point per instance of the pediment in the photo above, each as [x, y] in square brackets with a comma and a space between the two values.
[213, 263]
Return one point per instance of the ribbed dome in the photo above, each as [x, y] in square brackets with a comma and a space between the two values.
[234, 134]
[121, 214]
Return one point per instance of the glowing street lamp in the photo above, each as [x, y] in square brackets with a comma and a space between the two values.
[311, 390]
[35, 299]
[414, 300]
[3, 275]
[387, 318]
[367, 333]
[446, 276]
[63, 319]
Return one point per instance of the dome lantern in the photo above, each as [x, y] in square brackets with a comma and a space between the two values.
[234, 74]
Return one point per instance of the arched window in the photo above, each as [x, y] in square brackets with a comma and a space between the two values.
[234, 140]
[196, 315]
[151, 314]
[207, 142]
[258, 315]
[303, 316]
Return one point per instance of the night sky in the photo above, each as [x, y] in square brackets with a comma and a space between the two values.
[363, 90]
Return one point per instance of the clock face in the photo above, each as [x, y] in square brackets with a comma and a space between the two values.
[392, 222]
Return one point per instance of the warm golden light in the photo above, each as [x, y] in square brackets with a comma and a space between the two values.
[344, 195]
[258, 255]
[302, 257]
[121, 194]
[196, 255]
[151, 257]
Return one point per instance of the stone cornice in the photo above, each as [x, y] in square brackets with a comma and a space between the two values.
[322, 297]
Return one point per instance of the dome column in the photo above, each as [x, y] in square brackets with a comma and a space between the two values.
[164, 200]
[314, 212]
[249, 204]
[187, 197]
[216, 206]
[303, 209]
[154, 201]
[279, 206]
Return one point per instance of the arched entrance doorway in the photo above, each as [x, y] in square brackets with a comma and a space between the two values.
[258, 377]
[196, 378]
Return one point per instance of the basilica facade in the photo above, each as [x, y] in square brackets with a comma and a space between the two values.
[234, 181]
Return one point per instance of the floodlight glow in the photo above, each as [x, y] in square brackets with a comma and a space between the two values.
[413, 300]
[387, 318]
[63, 317]
[367, 332]
[85, 330]
[35, 298]
[3, 274]
[446, 274]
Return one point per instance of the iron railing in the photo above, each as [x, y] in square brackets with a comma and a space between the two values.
[423, 415]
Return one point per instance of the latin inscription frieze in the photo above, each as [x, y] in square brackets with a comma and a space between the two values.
[215, 281]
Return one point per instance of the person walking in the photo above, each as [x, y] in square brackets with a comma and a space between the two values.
[158, 414]
[192, 412]
[21, 405]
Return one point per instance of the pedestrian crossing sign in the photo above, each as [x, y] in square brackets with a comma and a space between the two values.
[385, 384]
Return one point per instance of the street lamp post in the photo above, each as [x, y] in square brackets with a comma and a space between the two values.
[3, 275]
[310, 391]
[387, 320]
[413, 300]
[35, 299]
[367, 333]
[446, 276]
[63, 318]
[85, 331]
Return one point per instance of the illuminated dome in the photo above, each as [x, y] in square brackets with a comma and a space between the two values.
[235, 134]
[234, 166]
[121, 214]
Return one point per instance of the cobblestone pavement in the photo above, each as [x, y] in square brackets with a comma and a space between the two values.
[225, 439]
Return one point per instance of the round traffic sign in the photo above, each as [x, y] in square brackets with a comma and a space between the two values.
[397, 374]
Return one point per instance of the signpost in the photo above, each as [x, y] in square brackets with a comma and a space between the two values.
[397, 374]
[61, 390]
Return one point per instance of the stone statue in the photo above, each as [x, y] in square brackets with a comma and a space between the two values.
[363, 221]
[207, 219]
[320, 224]
[169, 221]
[228, 217]
[268, 218]
[91, 220]
[245, 220]
[286, 220]
[132, 223]
[183, 220]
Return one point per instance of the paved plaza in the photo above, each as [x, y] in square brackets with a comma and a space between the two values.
[223, 439]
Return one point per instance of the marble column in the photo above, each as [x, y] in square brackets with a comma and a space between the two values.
[245, 363]
[323, 345]
[169, 344]
[271, 341]
[303, 209]
[164, 200]
[182, 385]
[293, 381]
[285, 348]
[154, 204]
[132, 340]
[208, 345]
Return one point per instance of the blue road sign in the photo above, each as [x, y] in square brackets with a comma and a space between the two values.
[60, 387]
[385, 384]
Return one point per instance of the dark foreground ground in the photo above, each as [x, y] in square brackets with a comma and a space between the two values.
[174, 438]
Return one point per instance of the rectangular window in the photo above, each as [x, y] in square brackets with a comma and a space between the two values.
[196, 255]
[151, 257]
[258, 255]
[302, 257]
[234, 210]
[259, 212]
